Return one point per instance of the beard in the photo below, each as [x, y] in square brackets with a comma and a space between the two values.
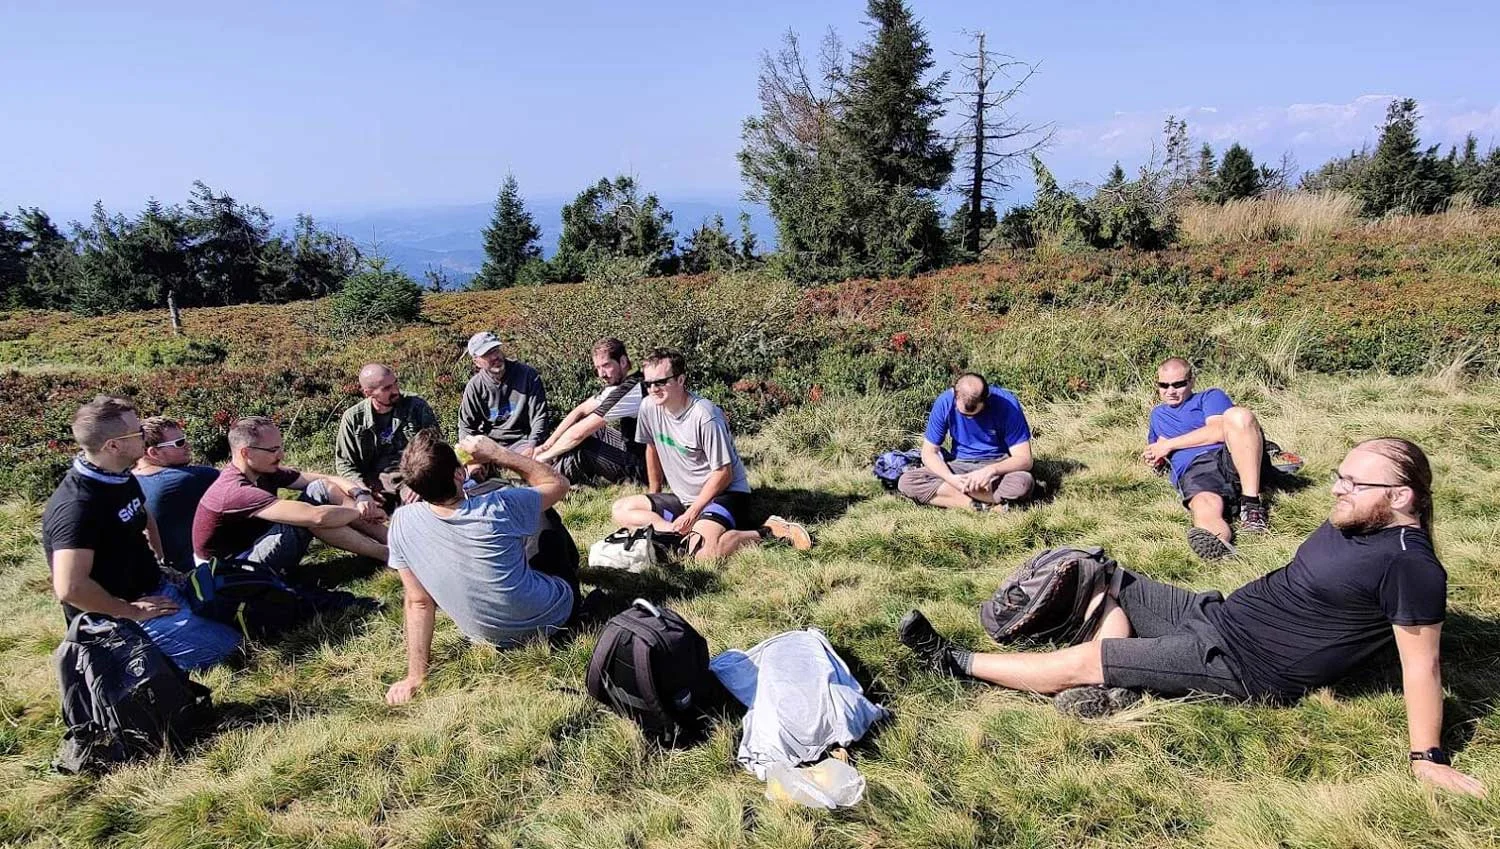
[1347, 516]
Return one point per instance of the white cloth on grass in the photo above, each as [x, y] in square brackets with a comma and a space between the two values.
[802, 700]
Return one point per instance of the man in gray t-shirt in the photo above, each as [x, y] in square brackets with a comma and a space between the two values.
[467, 554]
[689, 448]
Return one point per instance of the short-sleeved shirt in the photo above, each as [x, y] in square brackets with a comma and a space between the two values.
[620, 405]
[473, 564]
[691, 445]
[1000, 426]
[1170, 422]
[104, 513]
[224, 525]
[172, 497]
[1308, 623]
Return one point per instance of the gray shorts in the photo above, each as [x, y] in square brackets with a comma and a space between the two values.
[921, 484]
[1176, 649]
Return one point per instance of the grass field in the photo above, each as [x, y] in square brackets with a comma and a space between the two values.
[503, 748]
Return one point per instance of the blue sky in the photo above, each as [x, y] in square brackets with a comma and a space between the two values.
[340, 107]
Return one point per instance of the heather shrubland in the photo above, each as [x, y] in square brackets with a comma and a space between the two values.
[1388, 328]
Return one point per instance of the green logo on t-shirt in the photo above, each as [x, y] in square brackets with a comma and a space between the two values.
[668, 440]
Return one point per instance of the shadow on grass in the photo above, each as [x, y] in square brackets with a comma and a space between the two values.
[617, 588]
[1470, 651]
[331, 627]
[801, 505]
[340, 569]
[1050, 472]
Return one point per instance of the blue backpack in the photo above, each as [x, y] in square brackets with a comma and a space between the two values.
[890, 465]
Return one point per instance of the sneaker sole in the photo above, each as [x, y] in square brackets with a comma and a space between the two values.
[1208, 546]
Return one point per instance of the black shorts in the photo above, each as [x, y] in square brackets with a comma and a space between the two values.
[1212, 471]
[728, 509]
[1176, 649]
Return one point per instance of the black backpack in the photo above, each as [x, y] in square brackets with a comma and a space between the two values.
[650, 665]
[249, 596]
[122, 699]
[1044, 601]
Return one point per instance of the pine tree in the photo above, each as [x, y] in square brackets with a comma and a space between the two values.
[1400, 177]
[509, 242]
[1237, 177]
[889, 116]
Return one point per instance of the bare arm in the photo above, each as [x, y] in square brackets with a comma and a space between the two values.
[1211, 432]
[1018, 461]
[539, 476]
[570, 435]
[1422, 688]
[714, 485]
[73, 584]
[654, 476]
[302, 515]
[933, 461]
[420, 612]
[573, 415]
[153, 539]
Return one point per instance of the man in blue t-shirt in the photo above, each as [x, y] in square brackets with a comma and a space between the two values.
[1366, 579]
[1215, 452]
[989, 465]
[173, 487]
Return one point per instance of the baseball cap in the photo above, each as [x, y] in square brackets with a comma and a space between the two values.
[482, 343]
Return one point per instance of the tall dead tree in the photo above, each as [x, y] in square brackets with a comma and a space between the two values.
[992, 141]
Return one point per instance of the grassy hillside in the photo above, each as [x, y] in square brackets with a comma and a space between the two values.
[1378, 331]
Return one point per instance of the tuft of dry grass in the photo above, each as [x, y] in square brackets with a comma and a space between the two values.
[1289, 215]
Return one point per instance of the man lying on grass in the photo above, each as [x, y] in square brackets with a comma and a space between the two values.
[1216, 452]
[990, 467]
[1366, 577]
[466, 553]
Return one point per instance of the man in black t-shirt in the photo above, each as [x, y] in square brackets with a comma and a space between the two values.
[1366, 578]
[103, 548]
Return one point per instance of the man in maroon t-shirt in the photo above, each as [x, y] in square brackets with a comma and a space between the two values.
[240, 515]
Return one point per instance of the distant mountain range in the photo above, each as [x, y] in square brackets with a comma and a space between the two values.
[450, 239]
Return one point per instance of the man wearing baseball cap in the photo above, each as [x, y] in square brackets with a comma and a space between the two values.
[504, 400]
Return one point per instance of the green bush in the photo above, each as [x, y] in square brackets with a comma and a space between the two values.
[377, 297]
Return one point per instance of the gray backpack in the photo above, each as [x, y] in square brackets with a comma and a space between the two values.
[1044, 601]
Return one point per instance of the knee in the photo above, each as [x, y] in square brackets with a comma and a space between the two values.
[620, 511]
[1206, 504]
[916, 484]
[1240, 418]
[1016, 486]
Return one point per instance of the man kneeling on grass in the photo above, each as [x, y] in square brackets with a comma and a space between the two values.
[991, 461]
[689, 448]
[1367, 577]
[466, 553]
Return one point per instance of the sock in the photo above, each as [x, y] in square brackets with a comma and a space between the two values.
[765, 532]
[964, 660]
[1250, 499]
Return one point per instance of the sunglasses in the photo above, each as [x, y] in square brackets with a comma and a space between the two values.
[173, 443]
[1173, 384]
[661, 381]
[272, 450]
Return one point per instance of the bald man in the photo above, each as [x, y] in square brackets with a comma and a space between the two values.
[374, 432]
[989, 466]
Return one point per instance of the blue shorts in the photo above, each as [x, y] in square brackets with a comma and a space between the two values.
[728, 509]
[192, 641]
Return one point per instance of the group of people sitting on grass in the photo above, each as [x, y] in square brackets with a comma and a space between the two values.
[133, 514]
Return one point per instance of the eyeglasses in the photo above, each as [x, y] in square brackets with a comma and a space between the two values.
[662, 381]
[139, 433]
[173, 443]
[1343, 482]
[1173, 384]
[273, 450]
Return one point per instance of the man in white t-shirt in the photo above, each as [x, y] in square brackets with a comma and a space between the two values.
[595, 443]
[689, 448]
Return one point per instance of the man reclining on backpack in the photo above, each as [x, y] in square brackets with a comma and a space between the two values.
[103, 547]
[1367, 577]
[466, 553]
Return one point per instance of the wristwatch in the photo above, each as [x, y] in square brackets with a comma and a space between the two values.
[358, 491]
[1434, 754]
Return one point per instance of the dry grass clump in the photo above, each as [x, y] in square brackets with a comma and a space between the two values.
[1291, 215]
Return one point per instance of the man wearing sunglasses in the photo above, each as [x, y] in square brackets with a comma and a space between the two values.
[689, 448]
[241, 516]
[1365, 579]
[990, 465]
[1215, 453]
[173, 487]
[102, 544]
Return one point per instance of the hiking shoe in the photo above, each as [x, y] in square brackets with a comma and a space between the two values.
[1255, 517]
[1093, 701]
[1206, 545]
[933, 649]
[792, 532]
